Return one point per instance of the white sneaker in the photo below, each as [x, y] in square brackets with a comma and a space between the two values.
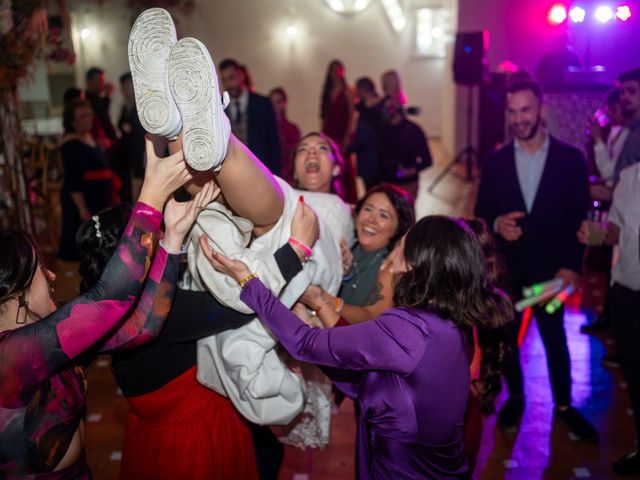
[194, 86]
[150, 41]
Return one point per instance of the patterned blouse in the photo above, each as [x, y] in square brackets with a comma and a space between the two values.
[42, 389]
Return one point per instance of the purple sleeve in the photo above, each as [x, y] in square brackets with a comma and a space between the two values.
[30, 354]
[389, 343]
[150, 314]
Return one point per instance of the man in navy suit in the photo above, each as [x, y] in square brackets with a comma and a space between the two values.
[252, 117]
[534, 193]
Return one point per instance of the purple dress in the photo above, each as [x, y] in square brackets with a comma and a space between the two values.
[410, 373]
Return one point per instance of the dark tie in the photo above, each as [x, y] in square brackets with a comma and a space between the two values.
[238, 112]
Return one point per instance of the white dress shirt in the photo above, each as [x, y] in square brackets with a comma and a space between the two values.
[529, 168]
[606, 155]
[625, 213]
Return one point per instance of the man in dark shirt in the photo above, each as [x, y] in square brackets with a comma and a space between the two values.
[404, 150]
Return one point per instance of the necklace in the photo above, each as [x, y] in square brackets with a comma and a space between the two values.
[357, 271]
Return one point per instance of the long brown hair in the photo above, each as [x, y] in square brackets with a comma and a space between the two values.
[20, 259]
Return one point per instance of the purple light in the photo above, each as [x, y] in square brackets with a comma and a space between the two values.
[623, 12]
[577, 14]
[603, 13]
[557, 14]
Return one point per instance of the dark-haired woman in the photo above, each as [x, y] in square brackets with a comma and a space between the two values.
[337, 110]
[336, 107]
[42, 390]
[408, 368]
[317, 165]
[383, 216]
[87, 187]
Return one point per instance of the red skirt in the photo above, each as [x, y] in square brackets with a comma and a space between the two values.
[186, 431]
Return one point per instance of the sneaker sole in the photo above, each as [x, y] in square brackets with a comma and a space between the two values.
[150, 41]
[194, 86]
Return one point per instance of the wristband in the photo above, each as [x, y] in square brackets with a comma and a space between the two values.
[306, 250]
[246, 280]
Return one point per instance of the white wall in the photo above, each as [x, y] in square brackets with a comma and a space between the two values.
[106, 46]
[254, 32]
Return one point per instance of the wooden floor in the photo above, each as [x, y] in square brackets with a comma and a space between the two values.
[540, 450]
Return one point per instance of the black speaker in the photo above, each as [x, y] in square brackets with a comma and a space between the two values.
[491, 121]
[470, 58]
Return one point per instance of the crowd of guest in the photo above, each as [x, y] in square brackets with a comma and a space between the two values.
[412, 319]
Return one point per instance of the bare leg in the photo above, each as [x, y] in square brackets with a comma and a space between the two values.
[248, 187]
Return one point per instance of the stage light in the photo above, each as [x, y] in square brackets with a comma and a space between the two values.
[623, 12]
[557, 14]
[85, 33]
[577, 14]
[603, 13]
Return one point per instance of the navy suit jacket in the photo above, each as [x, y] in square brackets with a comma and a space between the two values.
[548, 240]
[262, 132]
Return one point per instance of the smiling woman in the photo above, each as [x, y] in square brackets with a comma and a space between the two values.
[383, 216]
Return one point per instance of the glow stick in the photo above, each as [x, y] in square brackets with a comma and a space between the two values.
[538, 288]
[544, 296]
[559, 299]
[526, 320]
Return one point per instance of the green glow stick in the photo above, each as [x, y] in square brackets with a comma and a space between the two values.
[543, 297]
[538, 288]
[558, 300]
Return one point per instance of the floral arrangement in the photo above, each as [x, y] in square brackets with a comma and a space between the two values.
[23, 29]
[57, 51]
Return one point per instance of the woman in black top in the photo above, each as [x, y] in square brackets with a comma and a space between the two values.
[87, 187]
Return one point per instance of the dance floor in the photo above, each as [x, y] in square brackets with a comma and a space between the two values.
[541, 449]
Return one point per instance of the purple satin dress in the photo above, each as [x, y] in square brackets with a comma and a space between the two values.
[410, 373]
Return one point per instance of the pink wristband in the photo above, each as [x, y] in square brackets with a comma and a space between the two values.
[305, 249]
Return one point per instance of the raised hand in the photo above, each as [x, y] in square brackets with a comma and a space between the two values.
[236, 269]
[162, 176]
[569, 277]
[507, 225]
[179, 216]
[583, 232]
[304, 225]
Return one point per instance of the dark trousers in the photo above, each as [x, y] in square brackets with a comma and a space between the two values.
[554, 339]
[625, 322]
[269, 451]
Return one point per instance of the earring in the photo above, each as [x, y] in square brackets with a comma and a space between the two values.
[22, 303]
